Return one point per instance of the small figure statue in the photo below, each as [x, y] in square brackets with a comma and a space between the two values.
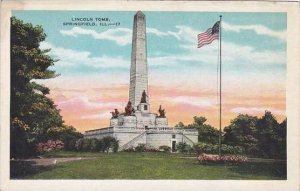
[129, 109]
[162, 112]
[144, 95]
[115, 113]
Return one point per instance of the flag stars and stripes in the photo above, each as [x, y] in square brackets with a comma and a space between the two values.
[209, 36]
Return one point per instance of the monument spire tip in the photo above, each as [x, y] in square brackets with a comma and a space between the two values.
[139, 12]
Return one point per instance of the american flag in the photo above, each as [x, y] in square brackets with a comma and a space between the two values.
[210, 35]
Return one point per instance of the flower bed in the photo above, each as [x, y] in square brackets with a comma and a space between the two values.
[49, 146]
[141, 148]
[207, 159]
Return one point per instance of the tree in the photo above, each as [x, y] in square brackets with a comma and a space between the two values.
[180, 125]
[258, 136]
[267, 135]
[109, 142]
[280, 132]
[32, 113]
[207, 133]
[68, 134]
[241, 132]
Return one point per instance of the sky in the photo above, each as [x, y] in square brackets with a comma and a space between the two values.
[94, 64]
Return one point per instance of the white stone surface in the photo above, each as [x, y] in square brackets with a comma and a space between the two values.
[139, 69]
[142, 126]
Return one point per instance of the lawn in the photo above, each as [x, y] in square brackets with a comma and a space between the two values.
[148, 166]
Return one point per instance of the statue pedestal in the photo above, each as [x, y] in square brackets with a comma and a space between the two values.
[161, 122]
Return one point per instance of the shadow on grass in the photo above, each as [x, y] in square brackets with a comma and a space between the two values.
[273, 169]
[25, 169]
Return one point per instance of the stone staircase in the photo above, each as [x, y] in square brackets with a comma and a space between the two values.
[188, 139]
[131, 142]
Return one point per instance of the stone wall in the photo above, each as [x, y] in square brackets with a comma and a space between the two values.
[154, 137]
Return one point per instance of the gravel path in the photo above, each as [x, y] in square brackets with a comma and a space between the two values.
[53, 161]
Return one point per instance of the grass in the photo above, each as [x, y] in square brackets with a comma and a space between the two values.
[153, 166]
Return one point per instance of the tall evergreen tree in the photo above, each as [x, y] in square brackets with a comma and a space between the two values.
[266, 134]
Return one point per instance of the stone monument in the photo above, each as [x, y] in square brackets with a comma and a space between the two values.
[136, 124]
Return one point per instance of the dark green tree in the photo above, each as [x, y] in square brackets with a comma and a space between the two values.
[268, 137]
[207, 133]
[180, 125]
[68, 134]
[109, 142]
[241, 132]
[32, 113]
[281, 133]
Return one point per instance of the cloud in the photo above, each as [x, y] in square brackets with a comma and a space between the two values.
[84, 103]
[258, 29]
[192, 101]
[232, 54]
[255, 110]
[102, 115]
[73, 58]
[161, 33]
[121, 36]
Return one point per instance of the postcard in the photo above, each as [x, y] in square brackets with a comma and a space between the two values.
[153, 95]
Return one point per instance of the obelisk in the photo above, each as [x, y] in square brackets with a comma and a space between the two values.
[138, 69]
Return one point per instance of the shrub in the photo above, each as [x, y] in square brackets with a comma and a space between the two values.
[165, 148]
[182, 147]
[130, 149]
[100, 145]
[70, 145]
[86, 145]
[115, 145]
[49, 146]
[207, 159]
[190, 149]
[94, 145]
[97, 145]
[214, 149]
[140, 148]
[78, 144]
[151, 149]
[110, 143]
[239, 150]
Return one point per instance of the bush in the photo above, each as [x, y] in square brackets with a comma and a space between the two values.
[151, 149]
[140, 148]
[49, 146]
[165, 148]
[100, 145]
[86, 145]
[115, 145]
[190, 149]
[182, 147]
[130, 149]
[110, 143]
[78, 144]
[97, 145]
[214, 149]
[70, 145]
[94, 145]
[207, 159]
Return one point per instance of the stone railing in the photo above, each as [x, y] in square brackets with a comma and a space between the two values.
[97, 131]
[137, 129]
[126, 129]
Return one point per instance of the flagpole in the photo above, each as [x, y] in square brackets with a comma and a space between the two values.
[220, 59]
